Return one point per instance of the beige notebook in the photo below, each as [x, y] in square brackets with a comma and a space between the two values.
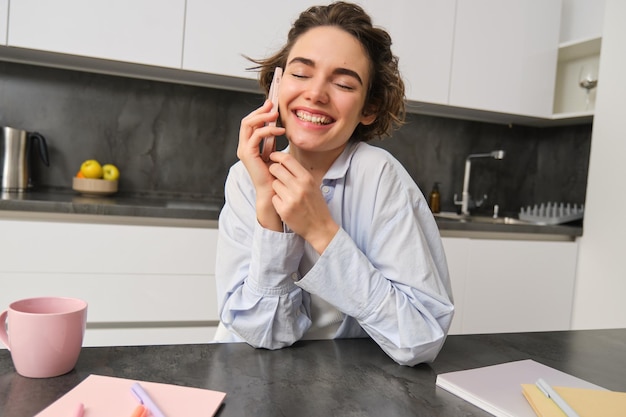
[497, 389]
[586, 402]
[105, 396]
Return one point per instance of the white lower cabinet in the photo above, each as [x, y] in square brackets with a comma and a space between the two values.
[156, 285]
[504, 286]
[143, 284]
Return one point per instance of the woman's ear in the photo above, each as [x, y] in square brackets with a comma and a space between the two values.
[369, 115]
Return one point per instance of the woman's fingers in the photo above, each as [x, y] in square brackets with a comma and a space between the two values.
[254, 128]
[287, 166]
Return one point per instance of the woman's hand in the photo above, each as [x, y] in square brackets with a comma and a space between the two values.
[300, 203]
[252, 131]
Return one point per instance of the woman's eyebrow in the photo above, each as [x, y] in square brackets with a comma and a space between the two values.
[339, 71]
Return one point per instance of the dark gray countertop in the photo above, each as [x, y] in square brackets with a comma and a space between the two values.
[172, 206]
[570, 231]
[191, 207]
[325, 378]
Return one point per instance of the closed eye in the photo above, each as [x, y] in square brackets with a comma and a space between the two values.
[344, 86]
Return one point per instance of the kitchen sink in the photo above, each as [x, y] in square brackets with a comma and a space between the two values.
[478, 218]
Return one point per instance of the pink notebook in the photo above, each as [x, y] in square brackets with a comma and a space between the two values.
[105, 396]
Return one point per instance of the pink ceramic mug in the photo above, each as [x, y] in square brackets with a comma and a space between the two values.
[44, 334]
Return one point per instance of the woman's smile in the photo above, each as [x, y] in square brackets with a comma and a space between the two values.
[318, 119]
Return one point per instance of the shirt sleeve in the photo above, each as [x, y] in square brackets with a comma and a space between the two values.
[258, 301]
[386, 268]
[402, 304]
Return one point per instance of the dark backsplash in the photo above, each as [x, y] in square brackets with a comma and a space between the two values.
[170, 138]
[540, 165]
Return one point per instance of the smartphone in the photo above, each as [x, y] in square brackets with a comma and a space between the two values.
[269, 143]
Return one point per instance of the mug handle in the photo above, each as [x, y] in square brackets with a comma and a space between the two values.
[4, 337]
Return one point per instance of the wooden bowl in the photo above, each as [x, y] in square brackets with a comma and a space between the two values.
[95, 187]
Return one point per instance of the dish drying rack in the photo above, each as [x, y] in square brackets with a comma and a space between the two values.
[552, 213]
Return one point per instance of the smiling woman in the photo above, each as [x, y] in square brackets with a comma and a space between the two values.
[385, 89]
[325, 86]
[330, 238]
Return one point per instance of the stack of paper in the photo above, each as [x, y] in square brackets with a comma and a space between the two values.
[497, 389]
[105, 396]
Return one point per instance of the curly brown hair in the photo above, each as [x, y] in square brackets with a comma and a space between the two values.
[385, 94]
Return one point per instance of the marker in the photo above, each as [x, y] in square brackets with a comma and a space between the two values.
[80, 410]
[554, 396]
[140, 411]
[145, 399]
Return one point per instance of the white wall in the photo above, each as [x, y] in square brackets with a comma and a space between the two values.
[600, 294]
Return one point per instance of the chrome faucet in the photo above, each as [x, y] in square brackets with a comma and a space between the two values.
[465, 196]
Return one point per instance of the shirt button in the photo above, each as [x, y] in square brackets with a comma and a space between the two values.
[325, 189]
[294, 276]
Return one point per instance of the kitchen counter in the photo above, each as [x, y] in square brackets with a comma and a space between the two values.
[325, 378]
[166, 209]
[529, 231]
[139, 205]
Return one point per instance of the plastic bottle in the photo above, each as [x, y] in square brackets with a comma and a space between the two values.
[435, 199]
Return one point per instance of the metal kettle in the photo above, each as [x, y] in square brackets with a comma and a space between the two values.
[15, 148]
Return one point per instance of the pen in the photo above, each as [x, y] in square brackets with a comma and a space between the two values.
[79, 411]
[145, 399]
[554, 396]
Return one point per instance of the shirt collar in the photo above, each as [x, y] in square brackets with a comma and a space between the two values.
[339, 168]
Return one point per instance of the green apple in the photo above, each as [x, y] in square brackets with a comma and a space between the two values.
[110, 172]
[91, 169]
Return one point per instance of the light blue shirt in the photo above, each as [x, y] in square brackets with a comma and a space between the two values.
[385, 270]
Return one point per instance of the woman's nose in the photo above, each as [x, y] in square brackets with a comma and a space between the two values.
[316, 91]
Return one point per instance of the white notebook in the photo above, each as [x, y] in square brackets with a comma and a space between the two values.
[497, 389]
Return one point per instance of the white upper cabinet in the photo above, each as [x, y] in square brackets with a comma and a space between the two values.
[581, 20]
[505, 56]
[218, 37]
[422, 33]
[138, 31]
[4, 20]
[483, 57]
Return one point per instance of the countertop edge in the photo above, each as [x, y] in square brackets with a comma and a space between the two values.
[213, 224]
[503, 235]
[108, 219]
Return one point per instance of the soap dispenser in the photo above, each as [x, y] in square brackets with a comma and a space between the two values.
[435, 198]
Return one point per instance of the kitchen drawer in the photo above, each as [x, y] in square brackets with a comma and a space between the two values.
[75, 248]
[123, 298]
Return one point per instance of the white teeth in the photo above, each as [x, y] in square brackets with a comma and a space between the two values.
[307, 117]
